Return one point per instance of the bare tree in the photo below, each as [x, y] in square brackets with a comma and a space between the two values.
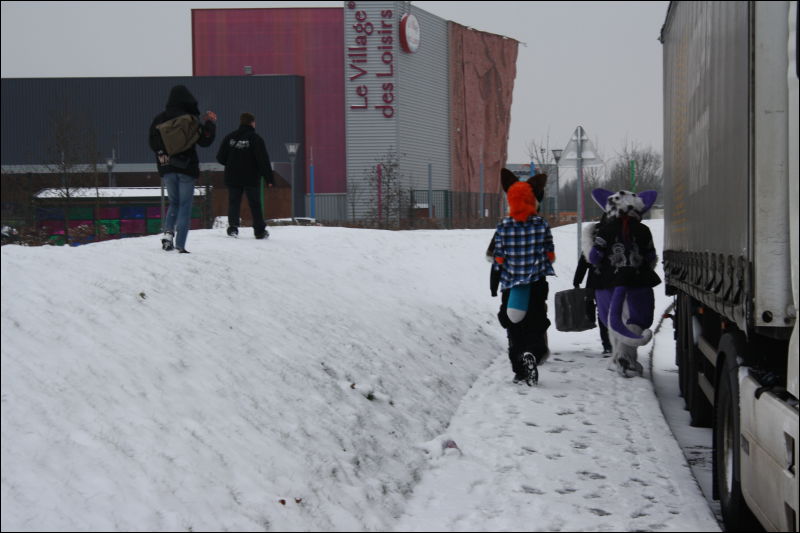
[355, 194]
[391, 199]
[73, 156]
[540, 152]
[648, 169]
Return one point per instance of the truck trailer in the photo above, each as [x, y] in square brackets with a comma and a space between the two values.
[731, 244]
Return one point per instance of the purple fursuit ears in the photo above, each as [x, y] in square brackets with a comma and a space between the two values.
[623, 249]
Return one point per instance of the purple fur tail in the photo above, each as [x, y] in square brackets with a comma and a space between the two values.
[618, 326]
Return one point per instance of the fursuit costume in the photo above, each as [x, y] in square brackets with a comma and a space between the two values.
[623, 249]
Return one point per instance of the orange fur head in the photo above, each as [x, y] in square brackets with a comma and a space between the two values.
[521, 201]
[523, 196]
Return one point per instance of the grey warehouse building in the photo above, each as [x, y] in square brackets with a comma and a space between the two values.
[52, 126]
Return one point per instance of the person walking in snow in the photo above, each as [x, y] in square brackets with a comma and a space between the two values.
[245, 158]
[180, 171]
[592, 283]
[623, 250]
[523, 255]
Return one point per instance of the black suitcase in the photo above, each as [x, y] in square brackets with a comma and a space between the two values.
[574, 310]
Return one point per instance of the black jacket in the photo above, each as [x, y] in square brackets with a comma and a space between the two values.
[179, 103]
[629, 255]
[245, 157]
[592, 281]
[494, 273]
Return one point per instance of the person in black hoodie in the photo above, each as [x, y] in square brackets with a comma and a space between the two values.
[245, 158]
[180, 171]
[592, 283]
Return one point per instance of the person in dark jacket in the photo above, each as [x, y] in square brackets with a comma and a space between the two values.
[592, 283]
[624, 251]
[245, 158]
[180, 171]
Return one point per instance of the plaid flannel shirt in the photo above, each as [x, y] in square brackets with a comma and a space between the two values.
[523, 247]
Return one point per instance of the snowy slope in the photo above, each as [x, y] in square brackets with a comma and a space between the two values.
[299, 383]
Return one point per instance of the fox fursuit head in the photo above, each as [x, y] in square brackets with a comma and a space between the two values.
[523, 196]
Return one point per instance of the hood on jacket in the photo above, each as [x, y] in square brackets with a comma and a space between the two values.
[180, 98]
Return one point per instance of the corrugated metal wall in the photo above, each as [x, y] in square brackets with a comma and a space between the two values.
[396, 103]
[328, 207]
[371, 128]
[706, 132]
[118, 113]
[424, 105]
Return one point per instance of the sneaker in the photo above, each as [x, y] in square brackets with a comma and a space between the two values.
[606, 351]
[263, 234]
[529, 364]
[183, 251]
[166, 242]
[233, 231]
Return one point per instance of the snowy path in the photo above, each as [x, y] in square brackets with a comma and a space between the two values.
[583, 448]
[286, 385]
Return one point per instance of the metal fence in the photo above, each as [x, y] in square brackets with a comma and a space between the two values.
[327, 207]
[456, 209]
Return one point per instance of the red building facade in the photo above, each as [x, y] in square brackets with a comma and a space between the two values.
[285, 41]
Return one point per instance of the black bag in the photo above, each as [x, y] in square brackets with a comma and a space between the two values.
[571, 310]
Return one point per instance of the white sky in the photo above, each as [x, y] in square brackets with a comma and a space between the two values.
[326, 367]
[595, 64]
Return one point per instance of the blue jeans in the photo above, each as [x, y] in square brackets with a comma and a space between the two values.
[180, 189]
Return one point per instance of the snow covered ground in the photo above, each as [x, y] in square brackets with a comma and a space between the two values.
[313, 381]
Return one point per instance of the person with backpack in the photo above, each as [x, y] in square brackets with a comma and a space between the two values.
[174, 134]
[245, 158]
[524, 255]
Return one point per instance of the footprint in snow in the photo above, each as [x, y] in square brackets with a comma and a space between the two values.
[532, 490]
[591, 475]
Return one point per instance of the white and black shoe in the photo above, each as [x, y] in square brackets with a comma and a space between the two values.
[530, 369]
[166, 241]
[233, 231]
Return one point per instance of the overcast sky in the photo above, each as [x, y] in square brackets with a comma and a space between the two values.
[595, 64]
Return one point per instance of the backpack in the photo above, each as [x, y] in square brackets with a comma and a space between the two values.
[180, 133]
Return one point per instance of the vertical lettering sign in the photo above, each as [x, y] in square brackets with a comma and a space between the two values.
[369, 52]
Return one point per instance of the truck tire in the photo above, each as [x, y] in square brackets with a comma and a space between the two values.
[735, 512]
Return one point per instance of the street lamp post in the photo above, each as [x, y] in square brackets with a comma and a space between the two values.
[110, 167]
[557, 156]
[292, 149]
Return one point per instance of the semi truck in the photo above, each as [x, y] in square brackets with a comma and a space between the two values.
[730, 256]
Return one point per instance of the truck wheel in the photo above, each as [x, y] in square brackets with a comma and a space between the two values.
[735, 512]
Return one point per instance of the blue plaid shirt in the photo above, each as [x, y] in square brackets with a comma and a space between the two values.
[523, 247]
